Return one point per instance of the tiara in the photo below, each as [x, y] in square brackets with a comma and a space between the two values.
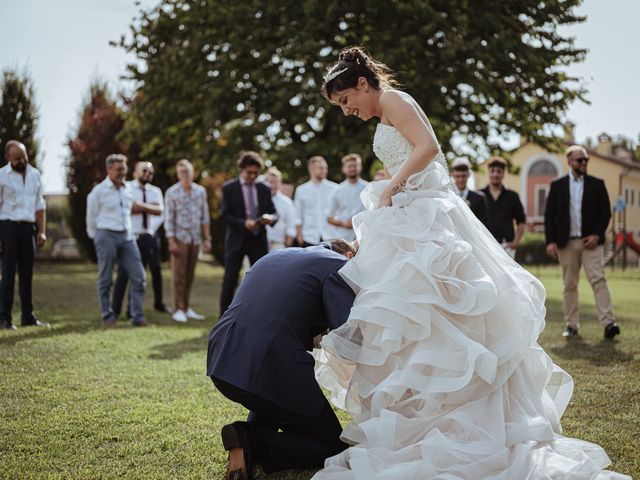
[332, 75]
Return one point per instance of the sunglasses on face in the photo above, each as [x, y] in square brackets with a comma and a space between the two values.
[581, 160]
[150, 172]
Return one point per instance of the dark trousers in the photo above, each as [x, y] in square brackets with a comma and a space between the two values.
[151, 254]
[282, 439]
[255, 249]
[18, 251]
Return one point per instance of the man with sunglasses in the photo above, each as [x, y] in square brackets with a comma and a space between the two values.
[575, 220]
[145, 229]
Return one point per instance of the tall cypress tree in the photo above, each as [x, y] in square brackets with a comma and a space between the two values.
[18, 113]
[96, 137]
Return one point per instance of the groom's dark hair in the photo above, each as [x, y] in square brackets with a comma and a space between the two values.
[341, 246]
[250, 158]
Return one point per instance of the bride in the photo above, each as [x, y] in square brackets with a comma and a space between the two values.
[438, 364]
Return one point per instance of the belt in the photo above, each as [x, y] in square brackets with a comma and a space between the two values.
[138, 235]
[574, 238]
[21, 222]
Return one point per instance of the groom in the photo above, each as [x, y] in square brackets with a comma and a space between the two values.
[259, 357]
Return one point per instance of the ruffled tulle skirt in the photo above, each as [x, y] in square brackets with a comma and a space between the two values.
[438, 363]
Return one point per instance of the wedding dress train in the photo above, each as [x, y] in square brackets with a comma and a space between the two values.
[439, 364]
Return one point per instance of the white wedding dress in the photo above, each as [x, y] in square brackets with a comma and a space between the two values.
[438, 363]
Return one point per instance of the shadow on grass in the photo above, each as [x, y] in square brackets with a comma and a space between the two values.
[171, 351]
[602, 353]
[39, 333]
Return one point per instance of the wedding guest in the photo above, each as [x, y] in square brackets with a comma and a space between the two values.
[312, 204]
[287, 188]
[379, 175]
[504, 208]
[145, 229]
[186, 225]
[345, 200]
[460, 171]
[575, 220]
[283, 233]
[109, 208]
[22, 226]
[247, 208]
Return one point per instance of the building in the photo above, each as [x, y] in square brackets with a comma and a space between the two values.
[533, 169]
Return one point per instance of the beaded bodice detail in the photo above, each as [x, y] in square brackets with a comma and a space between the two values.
[393, 149]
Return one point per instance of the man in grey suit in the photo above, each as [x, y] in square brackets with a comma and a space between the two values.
[259, 357]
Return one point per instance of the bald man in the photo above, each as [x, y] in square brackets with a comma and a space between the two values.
[22, 226]
[145, 230]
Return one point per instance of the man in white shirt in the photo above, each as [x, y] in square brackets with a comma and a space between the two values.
[22, 225]
[345, 201]
[576, 217]
[145, 228]
[109, 208]
[477, 202]
[281, 234]
[312, 204]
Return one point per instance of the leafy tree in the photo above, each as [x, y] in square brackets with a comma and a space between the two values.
[18, 113]
[101, 120]
[217, 77]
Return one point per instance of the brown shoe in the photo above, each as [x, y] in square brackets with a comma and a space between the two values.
[112, 323]
[140, 323]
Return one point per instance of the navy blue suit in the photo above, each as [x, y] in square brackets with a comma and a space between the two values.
[238, 240]
[258, 354]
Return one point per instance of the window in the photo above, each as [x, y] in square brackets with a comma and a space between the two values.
[541, 199]
[543, 168]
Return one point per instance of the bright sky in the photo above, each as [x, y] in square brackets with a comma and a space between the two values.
[65, 44]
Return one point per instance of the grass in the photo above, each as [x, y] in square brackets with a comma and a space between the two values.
[81, 402]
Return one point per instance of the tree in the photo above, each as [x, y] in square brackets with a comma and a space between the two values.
[18, 113]
[217, 77]
[96, 137]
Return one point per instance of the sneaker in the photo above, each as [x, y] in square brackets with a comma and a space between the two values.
[194, 316]
[570, 332]
[179, 316]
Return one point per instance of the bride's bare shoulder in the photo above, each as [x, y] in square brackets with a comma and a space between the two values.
[393, 97]
[395, 103]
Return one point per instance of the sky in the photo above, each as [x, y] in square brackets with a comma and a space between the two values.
[65, 45]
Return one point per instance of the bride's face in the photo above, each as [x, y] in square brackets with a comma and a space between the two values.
[355, 101]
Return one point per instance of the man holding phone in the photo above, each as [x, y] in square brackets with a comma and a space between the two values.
[246, 209]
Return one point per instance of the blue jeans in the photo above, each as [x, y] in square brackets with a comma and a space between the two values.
[112, 246]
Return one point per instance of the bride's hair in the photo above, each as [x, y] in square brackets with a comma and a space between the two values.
[353, 63]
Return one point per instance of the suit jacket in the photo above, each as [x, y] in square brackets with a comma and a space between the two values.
[596, 210]
[478, 204]
[261, 343]
[234, 215]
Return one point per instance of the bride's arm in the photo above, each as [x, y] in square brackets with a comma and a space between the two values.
[404, 116]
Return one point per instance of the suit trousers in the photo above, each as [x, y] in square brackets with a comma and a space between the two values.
[183, 269]
[18, 252]
[150, 252]
[572, 257]
[255, 250]
[282, 439]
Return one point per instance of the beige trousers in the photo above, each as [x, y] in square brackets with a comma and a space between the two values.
[571, 258]
[183, 268]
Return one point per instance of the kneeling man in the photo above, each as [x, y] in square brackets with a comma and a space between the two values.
[259, 357]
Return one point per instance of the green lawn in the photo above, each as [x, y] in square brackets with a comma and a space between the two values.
[81, 402]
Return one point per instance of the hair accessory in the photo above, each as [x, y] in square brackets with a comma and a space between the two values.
[332, 75]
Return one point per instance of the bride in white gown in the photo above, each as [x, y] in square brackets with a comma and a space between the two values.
[438, 364]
